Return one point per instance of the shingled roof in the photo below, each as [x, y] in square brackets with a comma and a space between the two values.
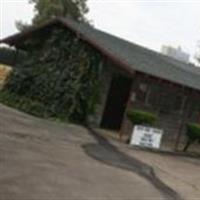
[129, 55]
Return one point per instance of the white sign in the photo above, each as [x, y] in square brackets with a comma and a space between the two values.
[146, 137]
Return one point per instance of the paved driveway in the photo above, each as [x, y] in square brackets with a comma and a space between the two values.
[180, 173]
[41, 159]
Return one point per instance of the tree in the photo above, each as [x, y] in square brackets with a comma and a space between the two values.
[21, 26]
[193, 134]
[48, 9]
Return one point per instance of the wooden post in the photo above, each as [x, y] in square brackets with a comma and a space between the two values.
[125, 112]
[182, 124]
[179, 135]
[121, 131]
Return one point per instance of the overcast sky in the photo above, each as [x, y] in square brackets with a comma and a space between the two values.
[150, 23]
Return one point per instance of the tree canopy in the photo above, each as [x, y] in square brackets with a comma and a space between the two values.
[48, 9]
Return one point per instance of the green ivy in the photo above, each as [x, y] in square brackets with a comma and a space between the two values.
[62, 75]
[193, 134]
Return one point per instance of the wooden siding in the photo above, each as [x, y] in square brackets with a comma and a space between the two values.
[173, 105]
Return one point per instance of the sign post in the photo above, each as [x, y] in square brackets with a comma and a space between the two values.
[146, 137]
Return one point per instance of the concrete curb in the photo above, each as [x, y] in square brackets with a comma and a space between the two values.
[164, 152]
[157, 151]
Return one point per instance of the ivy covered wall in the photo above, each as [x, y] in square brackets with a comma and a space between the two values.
[60, 78]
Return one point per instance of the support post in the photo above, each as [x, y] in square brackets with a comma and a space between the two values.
[182, 124]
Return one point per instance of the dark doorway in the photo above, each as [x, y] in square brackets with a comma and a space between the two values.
[116, 102]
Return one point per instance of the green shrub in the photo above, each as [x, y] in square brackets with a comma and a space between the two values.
[24, 104]
[192, 133]
[139, 117]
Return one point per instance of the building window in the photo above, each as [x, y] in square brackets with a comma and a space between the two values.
[141, 92]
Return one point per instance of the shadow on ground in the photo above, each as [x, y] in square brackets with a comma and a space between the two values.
[107, 153]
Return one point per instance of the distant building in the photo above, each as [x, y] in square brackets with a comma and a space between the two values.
[176, 53]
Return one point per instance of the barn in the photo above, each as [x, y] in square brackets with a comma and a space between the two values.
[133, 77]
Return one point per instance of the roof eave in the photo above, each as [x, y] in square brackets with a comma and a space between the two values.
[15, 38]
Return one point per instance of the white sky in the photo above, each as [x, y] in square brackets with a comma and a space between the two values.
[150, 23]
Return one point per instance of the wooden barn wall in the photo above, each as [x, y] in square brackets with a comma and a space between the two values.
[173, 104]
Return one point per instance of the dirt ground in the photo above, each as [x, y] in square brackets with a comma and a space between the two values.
[41, 159]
